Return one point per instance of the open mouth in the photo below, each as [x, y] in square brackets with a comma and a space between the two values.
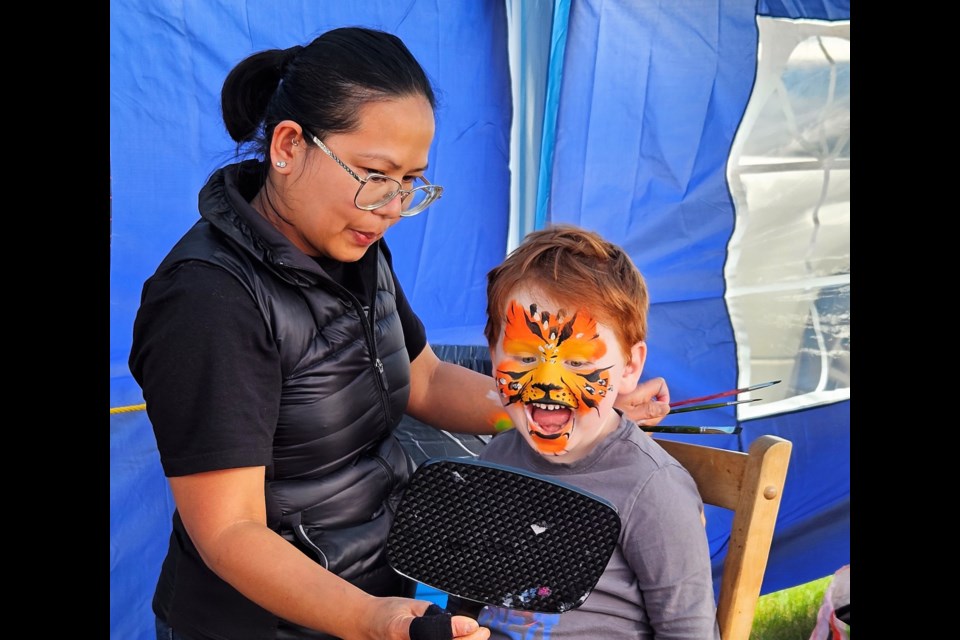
[550, 425]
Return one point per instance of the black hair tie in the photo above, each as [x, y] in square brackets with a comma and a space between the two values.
[434, 624]
[288, 56]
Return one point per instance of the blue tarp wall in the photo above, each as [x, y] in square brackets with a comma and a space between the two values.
[646, 103]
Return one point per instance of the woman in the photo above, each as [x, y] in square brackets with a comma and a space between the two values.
[277, 352]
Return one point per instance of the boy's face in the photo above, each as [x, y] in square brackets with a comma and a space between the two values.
[558, 375]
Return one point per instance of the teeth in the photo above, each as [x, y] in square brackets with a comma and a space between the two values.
[548, 407]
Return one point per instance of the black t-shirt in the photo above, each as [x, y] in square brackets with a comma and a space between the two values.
[209, 370]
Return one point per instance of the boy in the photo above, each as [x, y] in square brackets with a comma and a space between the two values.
[566, 324]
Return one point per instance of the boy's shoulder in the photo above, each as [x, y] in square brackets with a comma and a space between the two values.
[631, 441]
[500, 443]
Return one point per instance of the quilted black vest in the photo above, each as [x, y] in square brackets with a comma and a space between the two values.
[337, 470]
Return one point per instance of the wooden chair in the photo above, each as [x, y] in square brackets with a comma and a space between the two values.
[751, 485]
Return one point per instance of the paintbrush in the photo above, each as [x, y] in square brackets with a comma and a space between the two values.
[688, 429]
[724, 394]
[714, 405]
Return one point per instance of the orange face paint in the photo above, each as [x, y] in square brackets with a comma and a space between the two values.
[548, 366]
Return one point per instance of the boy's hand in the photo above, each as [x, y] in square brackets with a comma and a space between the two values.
[647, 404]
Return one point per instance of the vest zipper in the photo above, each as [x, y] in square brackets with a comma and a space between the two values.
[301, 534]
[377, 363]
[371, 343]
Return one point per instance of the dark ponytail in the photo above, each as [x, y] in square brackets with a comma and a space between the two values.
[322, 86]
[247, 91]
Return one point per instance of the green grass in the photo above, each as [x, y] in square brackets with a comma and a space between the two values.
[790, 614]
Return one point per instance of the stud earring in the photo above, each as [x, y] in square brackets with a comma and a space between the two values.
[281, 164]
[295, 143]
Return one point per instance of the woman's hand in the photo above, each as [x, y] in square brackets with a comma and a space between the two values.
[647, 404]
[419, 620]
[465, 628]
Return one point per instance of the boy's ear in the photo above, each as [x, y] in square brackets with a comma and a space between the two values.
[633, 368]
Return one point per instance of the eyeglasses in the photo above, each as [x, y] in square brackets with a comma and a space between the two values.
[377, 189]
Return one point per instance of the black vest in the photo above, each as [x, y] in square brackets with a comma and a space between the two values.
[337, 470]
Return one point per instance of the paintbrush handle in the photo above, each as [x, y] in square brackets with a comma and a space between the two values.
[714, 405]
[687, 429]
[724, 394]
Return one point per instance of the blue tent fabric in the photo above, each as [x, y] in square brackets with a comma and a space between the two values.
[646, 168]
[808, 9]
[644, 101]
[652, 96]
[167, 64]
[167, 136]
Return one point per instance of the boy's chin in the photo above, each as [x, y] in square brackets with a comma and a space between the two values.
[549, 444]
[563, 443]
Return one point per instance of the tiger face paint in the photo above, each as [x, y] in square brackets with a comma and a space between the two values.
[557, 373]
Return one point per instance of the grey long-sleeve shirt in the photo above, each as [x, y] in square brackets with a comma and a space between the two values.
[658, 582]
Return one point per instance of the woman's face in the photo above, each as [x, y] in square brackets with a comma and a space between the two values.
[393, 139]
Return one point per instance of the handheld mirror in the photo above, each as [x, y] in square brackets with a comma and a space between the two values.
[501, 536]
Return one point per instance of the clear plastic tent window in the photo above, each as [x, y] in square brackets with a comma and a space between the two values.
[788, 271]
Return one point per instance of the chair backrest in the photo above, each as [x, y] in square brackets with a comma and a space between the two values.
[751, 485]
